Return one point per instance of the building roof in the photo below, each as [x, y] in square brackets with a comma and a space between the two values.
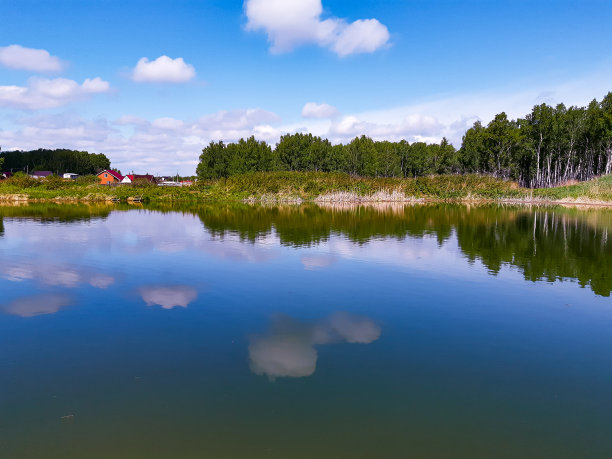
[148, 177]
[115, 174]
[42, 173]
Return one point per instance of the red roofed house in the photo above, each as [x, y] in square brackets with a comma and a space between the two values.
[133, 177]
[109, 176]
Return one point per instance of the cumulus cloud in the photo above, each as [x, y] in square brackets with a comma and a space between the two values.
[168, 297]
[167, 145]
[36, 305]
[289, 24]
[163, 70]
[53, 274]
[362, 36]
[237, 119]
[41, 93]
[35, 60]
[289, 349]
[282, 356]
[314, 110]
[410, 127]
[350, 328]
[170, 124]
[164, 145]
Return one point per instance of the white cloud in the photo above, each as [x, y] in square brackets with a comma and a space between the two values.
[166, 123]
[127, 120]
[237, 119]
[167, 145]
[163, 70]
[36, 305]
[314, 110]
[35, 60]
[362, 36]
[53, 274]
[289, 24]
[351, 328]
[168, 297]
[288, 350]
[282, 356]
[41, 93]
[411, 127]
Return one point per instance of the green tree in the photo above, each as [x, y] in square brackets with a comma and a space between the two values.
[214, 162]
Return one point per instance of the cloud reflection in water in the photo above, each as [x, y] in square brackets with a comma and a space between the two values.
[168, 297]
[289, 348]
[36, 305]
[55, 275]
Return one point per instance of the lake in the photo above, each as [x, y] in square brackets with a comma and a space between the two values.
[234, 331]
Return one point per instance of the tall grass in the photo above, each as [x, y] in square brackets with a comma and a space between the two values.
[301, 186]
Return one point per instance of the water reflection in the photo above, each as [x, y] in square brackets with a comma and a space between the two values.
[289, 349]
[318, 261]
[544, 243]
[58, 275]
[35, 305]
[168, 297]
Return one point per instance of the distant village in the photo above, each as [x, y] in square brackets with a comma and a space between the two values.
[112, 177]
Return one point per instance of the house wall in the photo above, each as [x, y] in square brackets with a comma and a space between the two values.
[106, 178]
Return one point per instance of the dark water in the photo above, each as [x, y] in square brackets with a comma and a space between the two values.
[368, 332]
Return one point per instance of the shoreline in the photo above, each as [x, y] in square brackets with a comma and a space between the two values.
[318, 188]
[321, 200]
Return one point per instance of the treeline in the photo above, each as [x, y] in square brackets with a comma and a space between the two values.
[57, 161]
[549, 146]
[305, 152]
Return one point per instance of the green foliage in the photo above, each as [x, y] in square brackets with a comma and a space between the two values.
[58, 161]
[20, 180]
[220, 161]
[551, 145]
[284, 185]
[87, 179]
[305, 152]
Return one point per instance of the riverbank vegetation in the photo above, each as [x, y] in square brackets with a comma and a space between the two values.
[306, 186]
[549, 146]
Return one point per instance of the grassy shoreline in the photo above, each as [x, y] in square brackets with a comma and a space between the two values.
[319, 187]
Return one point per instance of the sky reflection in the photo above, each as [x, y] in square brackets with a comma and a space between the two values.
[290, 347]
[168, 297]
[36, 305]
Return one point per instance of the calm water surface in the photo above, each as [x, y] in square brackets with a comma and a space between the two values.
[364, 332]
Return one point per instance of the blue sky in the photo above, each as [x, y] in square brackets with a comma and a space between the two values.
[417, 70]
